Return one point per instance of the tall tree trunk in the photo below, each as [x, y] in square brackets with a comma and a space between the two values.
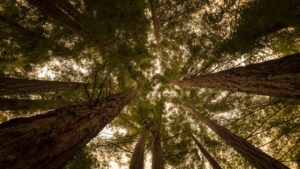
[9, 86]
[50, 8]
[137, 159]
[66, 15]
[157, 153]
[153, 7]
[210, 159]
[279, 77]
[50, 140]
[255, 156]
[21, 104]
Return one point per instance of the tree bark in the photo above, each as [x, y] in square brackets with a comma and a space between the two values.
[255, 156]
[157, 153]
[279, 77]
[153, 7]
[210, 159]
[50, 140]
[137, 159]
[21, 104]
[51, 9]
[9, 86]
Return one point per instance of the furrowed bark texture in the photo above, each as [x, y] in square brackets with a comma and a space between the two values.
[279, 77]
[255, 156]
[10, 86]
[21, 104]
[157, 153]
[137, 159]
[210, 159]
[50, 140]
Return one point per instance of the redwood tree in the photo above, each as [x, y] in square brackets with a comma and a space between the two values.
[210, 159]
[153, 7]
[256, 157]
[10, 86]
[23, 104]
[279, 77]
[157, 152]
[54, 10]
[50, 140]
[137, 159]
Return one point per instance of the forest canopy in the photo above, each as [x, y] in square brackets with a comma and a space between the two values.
[149, 84]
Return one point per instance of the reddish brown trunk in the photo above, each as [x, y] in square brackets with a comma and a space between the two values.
[10, 86]
[153, 7]
[279, 77]
[157, 153]
[137, 159]
[210, 159]
[50, 140]
[22, 104]
[255, 156]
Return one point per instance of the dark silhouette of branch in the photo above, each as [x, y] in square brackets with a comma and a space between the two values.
[168, 138]
[85, 88]
[95, 80]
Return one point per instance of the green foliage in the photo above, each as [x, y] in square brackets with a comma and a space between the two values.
[288, 42]
[84, 160]
[3, 117]
[256, 22]
[115, 40]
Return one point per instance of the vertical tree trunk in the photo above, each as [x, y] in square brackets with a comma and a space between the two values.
[23, 104]
[157, 153]
[50, 140]
[279, 77]
[9, 86]
[137, 159]
[153, 7]
[210, 159]
[255, 156]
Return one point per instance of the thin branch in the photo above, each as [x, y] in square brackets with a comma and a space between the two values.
[119, 147]
[109, 86]
[165, 139]
[106, 92]
[130, 137]
[128, 122]
[87, 93]
[99, 94]
[252, 112]
[95, 80]
[264, 122]
[276, 125]
[289, 150]
[279, 136]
